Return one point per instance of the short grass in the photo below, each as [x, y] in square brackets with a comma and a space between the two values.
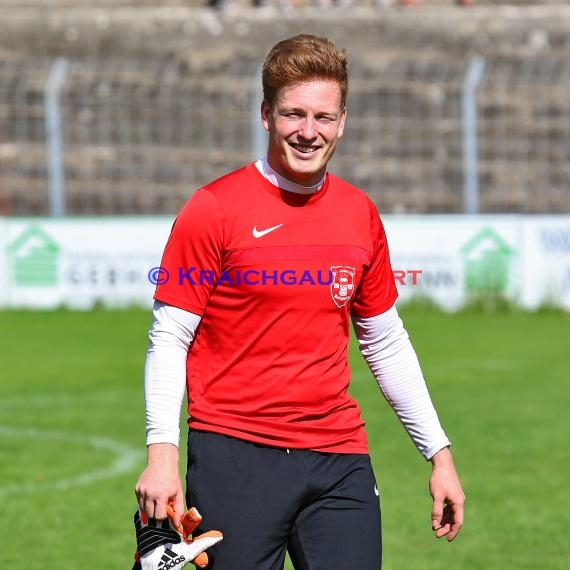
[72, 440]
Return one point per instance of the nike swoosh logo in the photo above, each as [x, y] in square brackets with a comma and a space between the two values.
[260, 233]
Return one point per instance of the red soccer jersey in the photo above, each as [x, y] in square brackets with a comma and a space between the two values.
[275, 276]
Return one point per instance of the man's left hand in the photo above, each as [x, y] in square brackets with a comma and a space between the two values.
[448, 496]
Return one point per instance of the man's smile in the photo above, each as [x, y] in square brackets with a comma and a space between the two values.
[304, 148]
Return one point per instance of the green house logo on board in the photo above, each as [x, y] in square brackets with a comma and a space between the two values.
[487, 261]
[33, 259]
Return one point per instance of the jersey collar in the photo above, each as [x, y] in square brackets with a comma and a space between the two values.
[284, 183]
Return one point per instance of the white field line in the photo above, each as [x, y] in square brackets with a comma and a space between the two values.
[126, 460]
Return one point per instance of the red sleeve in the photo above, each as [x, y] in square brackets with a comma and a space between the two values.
[377, 290]
[192, 256]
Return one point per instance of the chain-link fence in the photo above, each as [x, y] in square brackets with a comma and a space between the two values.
[423, 135]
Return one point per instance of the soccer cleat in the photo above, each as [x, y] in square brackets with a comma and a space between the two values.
[162, 547]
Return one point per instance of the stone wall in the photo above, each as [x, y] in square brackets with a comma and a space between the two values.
[123, 31]
[207, 43]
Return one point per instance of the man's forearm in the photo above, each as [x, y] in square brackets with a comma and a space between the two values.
[163, 453]
[442, 458]
[170, 336]
[385, 345]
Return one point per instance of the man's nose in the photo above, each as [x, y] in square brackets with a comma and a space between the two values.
[308, 128]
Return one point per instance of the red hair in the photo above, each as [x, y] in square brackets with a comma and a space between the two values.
[303, 58]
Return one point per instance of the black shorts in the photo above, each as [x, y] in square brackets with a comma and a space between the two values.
[323, 508]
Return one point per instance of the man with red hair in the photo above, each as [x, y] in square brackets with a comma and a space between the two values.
[269, 265]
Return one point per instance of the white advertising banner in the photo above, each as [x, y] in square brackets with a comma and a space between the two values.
[448, 258]
[3, 263]
[546, 274]
[111, 261]
[81, 263]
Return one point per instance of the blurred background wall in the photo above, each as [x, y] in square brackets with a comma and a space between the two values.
[126, 107]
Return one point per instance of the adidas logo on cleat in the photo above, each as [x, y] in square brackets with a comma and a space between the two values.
[169, 560]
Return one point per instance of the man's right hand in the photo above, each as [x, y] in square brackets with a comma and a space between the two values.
[160, 483]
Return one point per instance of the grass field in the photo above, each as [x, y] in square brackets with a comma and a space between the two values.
[72, 440]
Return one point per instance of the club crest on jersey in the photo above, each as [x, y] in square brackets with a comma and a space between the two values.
[342, 286]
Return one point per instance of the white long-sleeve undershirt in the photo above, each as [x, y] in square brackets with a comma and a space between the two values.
[284, 183]
[170, 336]
[384, 344]
[387, 349]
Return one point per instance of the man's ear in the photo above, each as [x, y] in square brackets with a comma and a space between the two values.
[266, 115]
